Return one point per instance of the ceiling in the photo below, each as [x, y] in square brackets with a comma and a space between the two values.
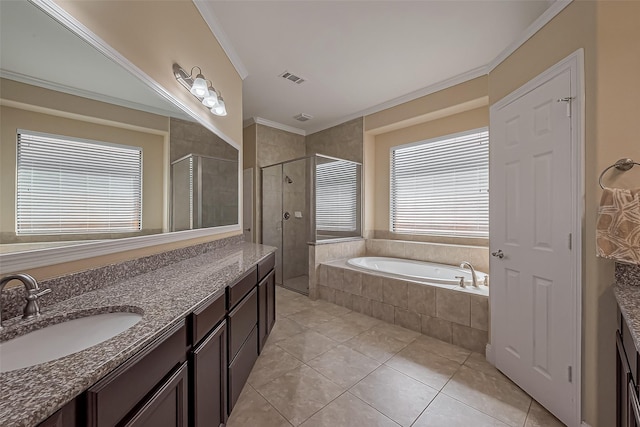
[357, 55]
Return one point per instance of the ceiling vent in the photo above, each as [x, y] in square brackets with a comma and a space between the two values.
[302, 117]
[292, 77]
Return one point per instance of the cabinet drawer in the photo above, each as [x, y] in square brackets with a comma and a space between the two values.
[242, 320]
[266, 265]
[206, 318]
[241, 287]
[65, 417]
[240, 368]
[114, 396]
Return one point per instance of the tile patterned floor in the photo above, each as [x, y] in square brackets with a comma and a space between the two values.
[325, 366]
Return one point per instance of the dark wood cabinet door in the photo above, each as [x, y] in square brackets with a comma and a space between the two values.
[168, 407]
[271, 300]
[65, 417]
[209, 380]
[266, 308]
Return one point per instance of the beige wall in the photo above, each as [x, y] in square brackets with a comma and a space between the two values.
[462, 97]
[30, 110]
[249, 161]
[344, 141]
[609, 34]
[468, 120]
[154, 35]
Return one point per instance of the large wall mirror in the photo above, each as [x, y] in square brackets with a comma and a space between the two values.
[90, 154]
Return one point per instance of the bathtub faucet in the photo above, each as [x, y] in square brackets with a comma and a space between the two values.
[474, 278]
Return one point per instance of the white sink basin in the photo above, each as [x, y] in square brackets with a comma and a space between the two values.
[63, 339]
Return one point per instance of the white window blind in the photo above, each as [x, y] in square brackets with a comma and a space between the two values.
[441, 186]
[71, 186]
[336, 196]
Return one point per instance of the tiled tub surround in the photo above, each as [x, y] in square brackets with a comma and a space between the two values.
[164, 296]
[445, 312]
[432, 252]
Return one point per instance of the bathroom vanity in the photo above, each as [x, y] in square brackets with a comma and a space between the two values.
[627, 292]
[205, 320]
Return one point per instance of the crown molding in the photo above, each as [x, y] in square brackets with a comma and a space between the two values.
[206, 11]
[58, 13]
[436, 87]
[275, 125]
[46, 84]
[556, 7]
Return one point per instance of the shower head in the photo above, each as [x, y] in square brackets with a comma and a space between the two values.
[288, 180]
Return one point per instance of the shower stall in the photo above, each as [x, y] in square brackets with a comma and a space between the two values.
[306, 201]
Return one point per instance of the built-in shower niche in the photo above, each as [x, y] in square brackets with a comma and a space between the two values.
[204, 192]
[307, 200]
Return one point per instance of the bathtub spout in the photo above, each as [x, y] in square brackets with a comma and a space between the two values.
[474, 278]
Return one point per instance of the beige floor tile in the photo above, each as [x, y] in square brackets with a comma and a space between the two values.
[361, 320]
[478, 362]
[375, 345]
[441, 348]
[285, 328]
[428, 368]
[283, 293]
[339, 329]
[397, 332]
[307, 345]
[332, 309]
[253, 410]
[299, 393]
[348, 411]
[272, 363]
[290, 306]
[447, 412]
[396, 395]
[489, 394]
[311, 317]
[343, 365]
[539, 417]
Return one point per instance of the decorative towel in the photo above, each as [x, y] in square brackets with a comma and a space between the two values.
[618, 227]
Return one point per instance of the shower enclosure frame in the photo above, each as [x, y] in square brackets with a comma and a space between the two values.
[311, 233]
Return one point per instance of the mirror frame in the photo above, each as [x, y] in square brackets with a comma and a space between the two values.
[12, 262]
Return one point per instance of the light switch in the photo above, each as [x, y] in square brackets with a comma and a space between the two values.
[298, 214]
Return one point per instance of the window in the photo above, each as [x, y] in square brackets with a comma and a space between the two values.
[441, 186]
[72, 186]
[337, 196]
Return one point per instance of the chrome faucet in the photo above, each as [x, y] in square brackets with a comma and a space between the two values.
[474, 278]
[32, 309]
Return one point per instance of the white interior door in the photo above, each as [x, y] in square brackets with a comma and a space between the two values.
[533, 290]
[247, 204]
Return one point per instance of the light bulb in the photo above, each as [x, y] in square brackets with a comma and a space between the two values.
[199, 87]
[210, 100]
[220, 109]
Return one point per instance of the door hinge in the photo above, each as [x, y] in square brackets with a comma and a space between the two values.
[570, 374]
[568, 100]
[570, 241]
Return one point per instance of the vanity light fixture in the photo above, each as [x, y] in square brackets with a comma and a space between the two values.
[201, 88]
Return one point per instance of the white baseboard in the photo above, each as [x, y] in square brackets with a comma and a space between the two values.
[490, 355]
[584, 424]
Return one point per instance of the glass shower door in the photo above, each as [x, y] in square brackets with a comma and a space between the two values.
[272, 213]
[295, 225]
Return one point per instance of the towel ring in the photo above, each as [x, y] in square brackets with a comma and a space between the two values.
[622, 165]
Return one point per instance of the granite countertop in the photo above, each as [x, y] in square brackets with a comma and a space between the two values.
[627, 292]
[163, 296]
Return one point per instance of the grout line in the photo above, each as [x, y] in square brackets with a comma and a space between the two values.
[269, 403]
